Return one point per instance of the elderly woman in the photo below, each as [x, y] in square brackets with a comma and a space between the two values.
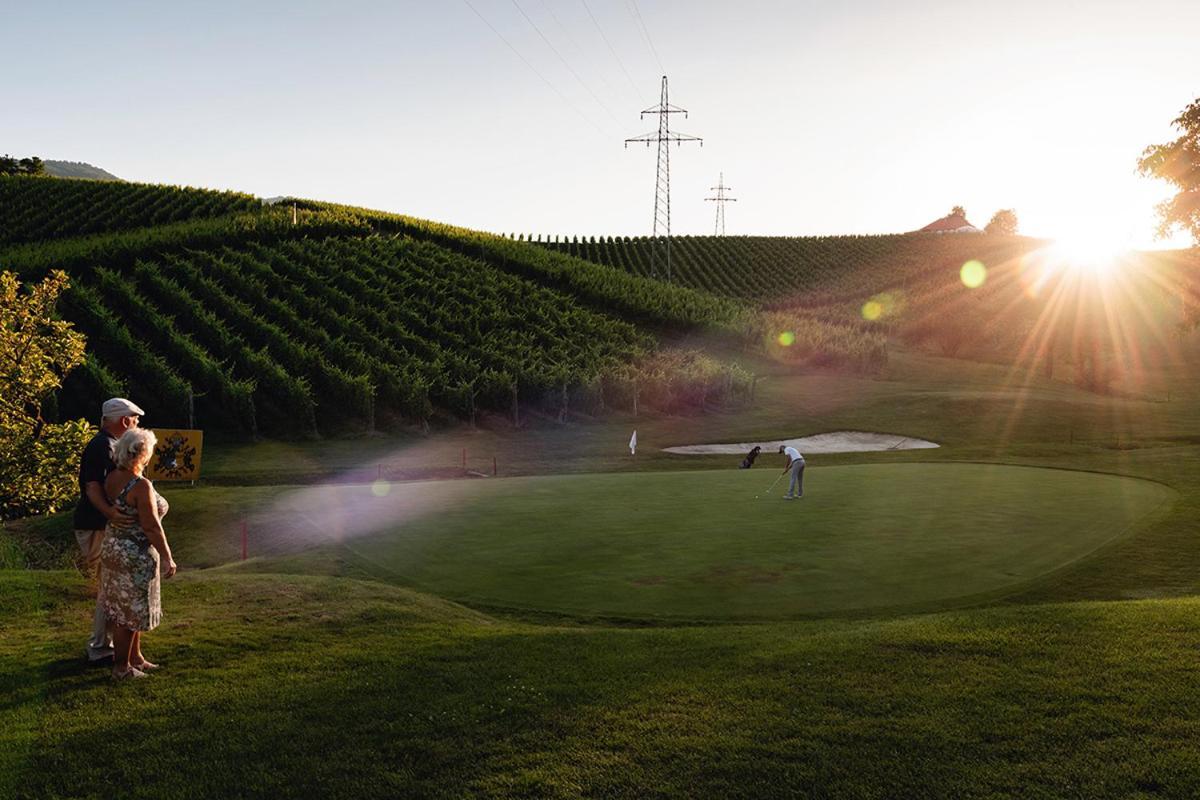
[133, 549]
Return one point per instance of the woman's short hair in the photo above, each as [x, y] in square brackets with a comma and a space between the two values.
[135, 444]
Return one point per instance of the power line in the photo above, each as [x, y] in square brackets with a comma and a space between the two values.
[662, 179]
[564, 62]
[721, 200]
[612, 50]
[535, 71]
[645, 32]
[549, 9]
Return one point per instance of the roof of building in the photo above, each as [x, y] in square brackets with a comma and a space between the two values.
[951, 223]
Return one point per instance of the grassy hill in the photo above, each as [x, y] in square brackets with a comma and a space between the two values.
[1012, 614]
[267, 320]
[78, 169]
[771, 269]
[41, 209]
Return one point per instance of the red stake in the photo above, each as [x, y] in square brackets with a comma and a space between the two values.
[243, 540]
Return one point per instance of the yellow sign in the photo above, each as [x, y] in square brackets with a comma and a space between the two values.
[177, 456]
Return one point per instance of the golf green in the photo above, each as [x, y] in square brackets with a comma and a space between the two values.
[699, 545]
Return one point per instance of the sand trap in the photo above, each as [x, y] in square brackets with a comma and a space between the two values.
[833, 442]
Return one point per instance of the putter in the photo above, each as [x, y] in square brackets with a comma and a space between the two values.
[772, 486]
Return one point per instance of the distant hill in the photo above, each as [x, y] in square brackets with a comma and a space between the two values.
[78, 169]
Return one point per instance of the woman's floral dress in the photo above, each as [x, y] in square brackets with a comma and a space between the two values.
[130, 574]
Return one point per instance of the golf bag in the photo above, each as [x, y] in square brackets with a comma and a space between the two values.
[748, 461]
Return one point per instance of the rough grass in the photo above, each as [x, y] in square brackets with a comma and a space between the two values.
[288, 685]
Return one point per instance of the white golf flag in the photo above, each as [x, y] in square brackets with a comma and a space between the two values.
[633, 444]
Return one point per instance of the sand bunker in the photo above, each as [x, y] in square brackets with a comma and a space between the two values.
[834, 442]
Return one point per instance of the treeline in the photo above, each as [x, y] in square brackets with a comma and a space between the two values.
[30, 165]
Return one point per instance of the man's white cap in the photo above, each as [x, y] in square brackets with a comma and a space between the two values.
[120, 407]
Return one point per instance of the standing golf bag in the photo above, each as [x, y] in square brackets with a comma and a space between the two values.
[748, 461]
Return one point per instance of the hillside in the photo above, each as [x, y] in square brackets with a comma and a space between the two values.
[1026, 303]
[43, 209]
[261, 322]
[78, 169]
[769, 269]
[267, 324]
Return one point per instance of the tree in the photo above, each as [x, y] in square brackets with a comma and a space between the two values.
[25, 166]
[38, 459]
[1178, 163]
[32, 166]
[1003, 222]
[958, 211]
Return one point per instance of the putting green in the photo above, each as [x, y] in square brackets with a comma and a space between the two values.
[699, 545]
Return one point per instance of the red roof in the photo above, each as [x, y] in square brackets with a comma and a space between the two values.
[950, 222]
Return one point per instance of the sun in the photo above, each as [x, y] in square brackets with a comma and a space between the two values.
[1091, 250]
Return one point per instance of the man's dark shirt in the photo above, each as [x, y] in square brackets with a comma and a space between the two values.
[95, 465]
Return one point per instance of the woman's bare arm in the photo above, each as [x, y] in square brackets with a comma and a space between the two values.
[147, 503]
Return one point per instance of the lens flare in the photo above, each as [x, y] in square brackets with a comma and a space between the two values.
[872, 310]
[973, 274]
[380, 488]
[787, 338]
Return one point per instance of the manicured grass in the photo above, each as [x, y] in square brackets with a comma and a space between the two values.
[301, 686]
[695, 545]
[288, 684]
[698, 545]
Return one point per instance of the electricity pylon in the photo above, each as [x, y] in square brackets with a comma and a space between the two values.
[721, 199]
[662, 184]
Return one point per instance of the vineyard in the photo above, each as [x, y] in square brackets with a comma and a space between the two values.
[356, 331]
[40, 209]
[271, 322]
[773, 270]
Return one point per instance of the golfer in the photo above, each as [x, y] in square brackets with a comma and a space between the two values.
[796, 465]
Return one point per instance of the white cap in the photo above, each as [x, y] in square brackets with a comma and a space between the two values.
[120, 407]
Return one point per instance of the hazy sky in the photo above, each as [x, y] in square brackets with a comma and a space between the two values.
[859, 117]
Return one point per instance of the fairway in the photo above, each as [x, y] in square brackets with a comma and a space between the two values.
[697, 545]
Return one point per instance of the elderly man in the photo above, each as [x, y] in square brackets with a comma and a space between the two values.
[795, 463]
[93, 510]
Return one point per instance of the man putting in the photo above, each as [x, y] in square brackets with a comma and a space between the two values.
[796, 465]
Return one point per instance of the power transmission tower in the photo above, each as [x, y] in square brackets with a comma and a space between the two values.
[721, 199]
[662, 184]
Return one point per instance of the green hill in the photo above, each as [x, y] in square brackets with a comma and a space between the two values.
[41, 209]
[771, 269]
[606, 646]
[78, 169]
[341, 319]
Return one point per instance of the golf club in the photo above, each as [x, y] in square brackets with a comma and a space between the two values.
[772, 486]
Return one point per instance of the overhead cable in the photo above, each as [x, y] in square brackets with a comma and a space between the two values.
[638, 93]
[554, 49]
[535, 71]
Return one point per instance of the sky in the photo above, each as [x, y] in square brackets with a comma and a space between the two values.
[511, 115]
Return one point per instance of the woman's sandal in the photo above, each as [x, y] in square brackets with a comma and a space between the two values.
[125, 674]
[145, 666]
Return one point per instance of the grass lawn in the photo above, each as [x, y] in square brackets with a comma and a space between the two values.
[335, 663]
[306, 686]
[699, 545]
